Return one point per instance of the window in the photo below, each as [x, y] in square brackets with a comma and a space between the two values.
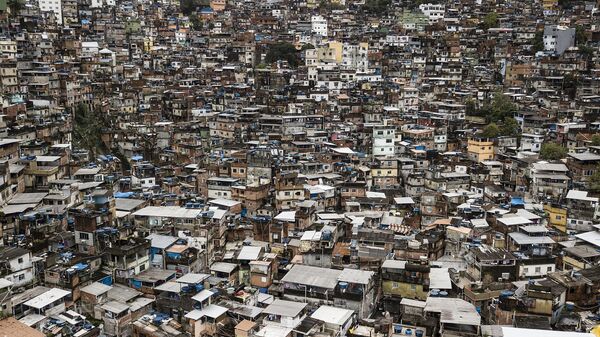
[549, 269]
[20, 260]
[21, 277]
[84, 236]
[525, 270]
[538, 269]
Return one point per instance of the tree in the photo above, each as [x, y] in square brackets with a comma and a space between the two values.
[471, 107]
[376, 6]
[596, 140]
[570, 83]
[15, 7]
[509, 127]
[328, 5]
[188, 7]
[594, 183]
[538, 41]
[552, 151]
[565, 4]
[490, 20]
[87, 130]
[490, 131]
[283, 51]
[307, 46]
[197, 24]
[580, 36]
[500, 108]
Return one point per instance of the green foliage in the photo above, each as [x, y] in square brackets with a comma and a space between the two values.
[596, 140]
[327, 5]
[307, 46]
[125, 165]
[499, 108]
[570, 82]
[188, 7]
[15, 6]
[490, 20]
[594, 183]
[490, 131]
[376, 6]
[283, 51]
[565, 4]
[197, 24]
[586, 52]
[538, 41]
[471, 107]
[580, 36]
[87, 130]
[508, 127]
[552, 151]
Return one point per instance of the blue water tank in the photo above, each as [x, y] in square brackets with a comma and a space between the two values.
[434, 293]
[443, 293]
[343, 285]
[408, 332]
[570, 306]
[397, 328]
[419, 333]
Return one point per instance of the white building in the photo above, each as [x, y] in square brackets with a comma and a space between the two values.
[356, 56]
[17, 266]
[383, 140]
[8, 49]
[435, 12]
[557, 39]
[89, 48]
[531, 142]
[54, 6]
[319, 25]
[409, 99]
[100, 3]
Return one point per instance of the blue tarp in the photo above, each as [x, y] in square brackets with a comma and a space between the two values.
[107, 280]
[80, 266]
[137, 158]
[123, 195]
[517, 201]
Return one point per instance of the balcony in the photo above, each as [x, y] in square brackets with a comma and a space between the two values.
[42, 170]
[184, 260]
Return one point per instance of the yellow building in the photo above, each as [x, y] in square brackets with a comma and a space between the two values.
[404, 290]
[550, 5]
[480, 149]
[148, 44]
[404, 280]
[332, 53]
[557, 217]
[218, 5]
